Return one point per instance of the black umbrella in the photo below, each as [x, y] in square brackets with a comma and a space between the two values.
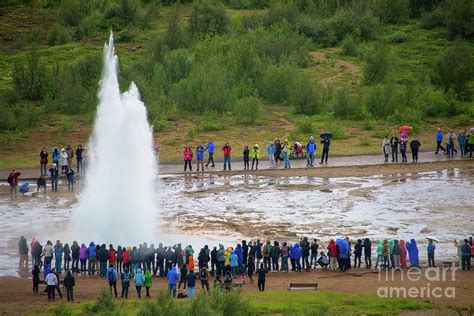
[325, 135]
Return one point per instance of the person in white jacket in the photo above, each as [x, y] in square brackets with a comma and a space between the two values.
[52, 282]
[64, 161]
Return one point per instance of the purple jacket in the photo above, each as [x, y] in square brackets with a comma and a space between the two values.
[83, 252]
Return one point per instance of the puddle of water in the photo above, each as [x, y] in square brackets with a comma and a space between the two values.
[206, 209]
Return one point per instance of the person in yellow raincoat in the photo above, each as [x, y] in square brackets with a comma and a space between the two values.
[227, 259]
[255, 155]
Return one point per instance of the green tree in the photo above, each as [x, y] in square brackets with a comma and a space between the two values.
[378, 64]
[248, 110]
[303, 96]
[29, 78]
[454, 70]
[175, 36]
[208, 19]
[459, 18]
[391, 11]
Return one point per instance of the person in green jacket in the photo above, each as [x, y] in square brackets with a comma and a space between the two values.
[379, 254]
[392, 261]
[69, 283]
[470, 141]
[147, 283]
[255, 155]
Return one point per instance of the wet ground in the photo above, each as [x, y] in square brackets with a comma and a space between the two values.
[208, 208]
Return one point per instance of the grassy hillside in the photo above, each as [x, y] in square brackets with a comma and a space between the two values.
[244, 72]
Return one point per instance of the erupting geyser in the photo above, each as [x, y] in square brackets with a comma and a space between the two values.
[118, 203]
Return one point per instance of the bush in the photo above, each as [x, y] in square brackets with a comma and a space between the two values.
[305, 125]
[160, 125]
[208, 125]
[123, 13]
[72, 12]
[208, 19]
[381, 100]
[105, 303]
[454, 70]
[276, 83]
[434, 103]
[348, 46]
[248, 110]
[459, 18]
[206, 88]
[431, 19]
[30, 77]
[303, 96]
[175, 36]
[391, 11]
[397, 37]
[58, 35]
[344, 107]
[378, 64]
[280, 13]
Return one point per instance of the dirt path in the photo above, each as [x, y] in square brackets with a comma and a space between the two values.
[14, 292]
[341, 166]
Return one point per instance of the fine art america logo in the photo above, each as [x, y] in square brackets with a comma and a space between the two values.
[418, 283]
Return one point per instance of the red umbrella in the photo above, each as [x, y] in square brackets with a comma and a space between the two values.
[405, 128]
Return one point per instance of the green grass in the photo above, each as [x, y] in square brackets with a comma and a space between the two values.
[328, 302]
[280, 303]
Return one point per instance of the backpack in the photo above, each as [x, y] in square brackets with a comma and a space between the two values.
[126, 278]
[10, 179]
[111, 276]
[203, 274]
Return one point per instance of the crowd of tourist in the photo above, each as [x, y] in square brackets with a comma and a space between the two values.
[225, 264]
[277, 152]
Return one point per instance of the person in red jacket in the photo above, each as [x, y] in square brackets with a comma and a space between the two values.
[332, 252]
[112, 255]
[126, 259]
[13, 182]
[227, 150]
[188, 157]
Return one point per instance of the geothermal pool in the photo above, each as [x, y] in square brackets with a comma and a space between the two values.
[207, 209]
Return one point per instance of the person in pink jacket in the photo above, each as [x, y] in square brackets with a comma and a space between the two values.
[188, 157]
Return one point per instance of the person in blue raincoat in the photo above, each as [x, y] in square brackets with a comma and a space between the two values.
[343, 246]
[413, 253]
[55, 154]
[210, 150]
[431, 253]
[200, 156]
[295, 256]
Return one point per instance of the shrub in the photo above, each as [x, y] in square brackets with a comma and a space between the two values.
[124, 12]
[397, 37]
[381, 100]
[160, 125]
[72, 12]
[282, 12]
[348, 46]
[431, 19]
[391, 11]
[58, 35]
[208, 19]
[175, 36]
[248, 110]
[105, 303]
[276, 83]
[303, 96]
[162, 305]
[206, 87]
[208, 125]
[454, 70]
[305, 125]
[378, 64]
[344, 107]
[178, 65]
[459, 18]
[30, 77]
